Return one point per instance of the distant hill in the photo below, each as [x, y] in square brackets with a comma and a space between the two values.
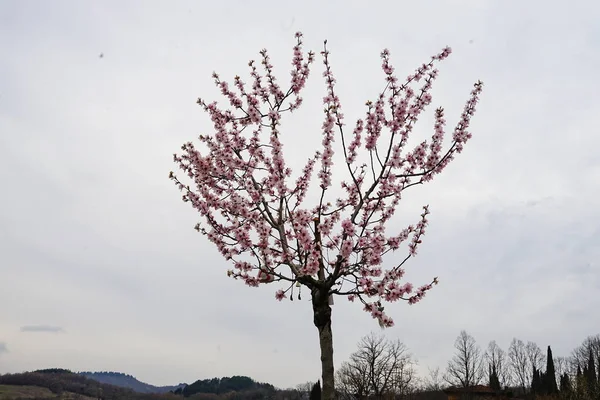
[128, 381]
[219, 386]
[64, 384]
[213, 386]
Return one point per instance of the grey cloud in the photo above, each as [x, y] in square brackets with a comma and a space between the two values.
[3, 348]
[42, 328]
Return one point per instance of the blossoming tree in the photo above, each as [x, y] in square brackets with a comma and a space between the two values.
[254, 210]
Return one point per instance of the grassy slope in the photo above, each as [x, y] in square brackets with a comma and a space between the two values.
[9, 392]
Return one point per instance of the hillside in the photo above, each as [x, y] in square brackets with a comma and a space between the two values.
[128, 381]
[64, 384]
[221, 386]
[14, 392]
[60, 384]
[215, 386]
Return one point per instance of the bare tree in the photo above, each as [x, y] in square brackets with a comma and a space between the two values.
[352, 380]
[403, 378]
[535, 356]
[519, 363]
[466, 367]
[434, 380]
[496, 358]
[561, 366]
[579, 357]
[305, 388]
[379, 367]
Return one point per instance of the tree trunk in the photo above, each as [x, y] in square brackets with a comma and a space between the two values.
[322, 320]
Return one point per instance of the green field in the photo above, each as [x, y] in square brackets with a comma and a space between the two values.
[12, 392]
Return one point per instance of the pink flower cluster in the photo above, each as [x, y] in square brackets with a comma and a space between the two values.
[254, 211]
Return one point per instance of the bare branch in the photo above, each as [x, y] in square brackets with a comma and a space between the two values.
[465, 369]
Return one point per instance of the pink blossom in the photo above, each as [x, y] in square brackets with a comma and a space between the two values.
[280, 295]
[252, 205]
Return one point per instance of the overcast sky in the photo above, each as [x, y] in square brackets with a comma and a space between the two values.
[101, 269]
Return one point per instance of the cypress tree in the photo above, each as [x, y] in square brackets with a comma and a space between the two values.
[315, 393]
[579, 382]
[535, 381]
[590, 376]
[565, 383]
[494, 382]
[598, 370]
[550, 386]
[542, 383]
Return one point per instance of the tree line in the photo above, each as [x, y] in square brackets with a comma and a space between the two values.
[60, 381]
[383, 368]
